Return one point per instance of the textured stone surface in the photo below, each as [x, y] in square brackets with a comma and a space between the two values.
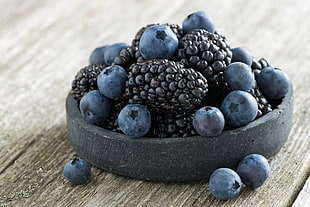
[177, 159]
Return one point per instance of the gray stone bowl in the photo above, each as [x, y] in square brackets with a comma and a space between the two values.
[177, 159]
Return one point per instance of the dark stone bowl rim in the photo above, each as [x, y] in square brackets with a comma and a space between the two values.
[152, 164]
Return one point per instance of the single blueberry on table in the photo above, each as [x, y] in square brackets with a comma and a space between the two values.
[224, 183]
[111, 81]
[239, 76]
[240, 54]
[112, 51]
[253, 170]
[158, 42]
[77, 171]
[239, 108]
[208, 121]
[134, 120]
[198, 20]
[95, 107]
[274, 83]
[97, 56]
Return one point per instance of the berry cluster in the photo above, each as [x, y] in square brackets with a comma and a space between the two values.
[175, 81]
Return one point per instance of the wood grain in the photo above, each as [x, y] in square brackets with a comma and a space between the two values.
[304, 195]
[43, 45]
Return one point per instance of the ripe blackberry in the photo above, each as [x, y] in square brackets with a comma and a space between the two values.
[165, 85]
[216, 94]
[258, 65]
[111, 122]
[85, 80]
[263, 105]
[170, 125]
[208, 53]
[132, 54]
[127, 57]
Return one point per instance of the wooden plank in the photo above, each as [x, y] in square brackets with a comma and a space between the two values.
[303, 198]
[44, 43]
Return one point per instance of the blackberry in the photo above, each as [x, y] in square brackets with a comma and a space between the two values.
[263, 105]
[127, 57]
[132, 54]
[170, 125]
[111, 123]
[208, 53]
[85, 80]
[216, 95]
[258, 65]
[165, 85]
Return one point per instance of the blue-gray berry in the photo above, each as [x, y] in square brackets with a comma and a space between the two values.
[240, 54]
[111, 81]
[225, 183]
[77, 171]
[158, 42]
[95, 107]
[198, 20]
[239, 76]
[274, 83]
[134, 120]
[97, 56]
[253, 170]
[112, 51]
[208, 121]
[239, 108]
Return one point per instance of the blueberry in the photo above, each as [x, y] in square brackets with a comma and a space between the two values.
[112, 51]
[77, 171]
[97, 56]
[158, 42]
[198, 20]
[111, 81]
[225, 183]
[274, 83]
[95, 107]
[240, 54]
[239, 108]
[251, 53]
[253, 170]
[134, 120]
[239, 76]
[208, 121]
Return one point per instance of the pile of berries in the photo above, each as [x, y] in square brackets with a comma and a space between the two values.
[175, 81]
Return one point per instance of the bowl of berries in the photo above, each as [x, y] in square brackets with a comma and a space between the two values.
[177, 104]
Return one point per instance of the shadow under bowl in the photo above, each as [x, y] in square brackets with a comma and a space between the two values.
[177, 159]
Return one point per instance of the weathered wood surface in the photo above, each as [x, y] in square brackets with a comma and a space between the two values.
[44, 43]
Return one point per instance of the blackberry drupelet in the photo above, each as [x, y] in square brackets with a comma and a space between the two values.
[165, 85]
[85, 80]
[170, 125]
[208, 53]
[132, 54]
